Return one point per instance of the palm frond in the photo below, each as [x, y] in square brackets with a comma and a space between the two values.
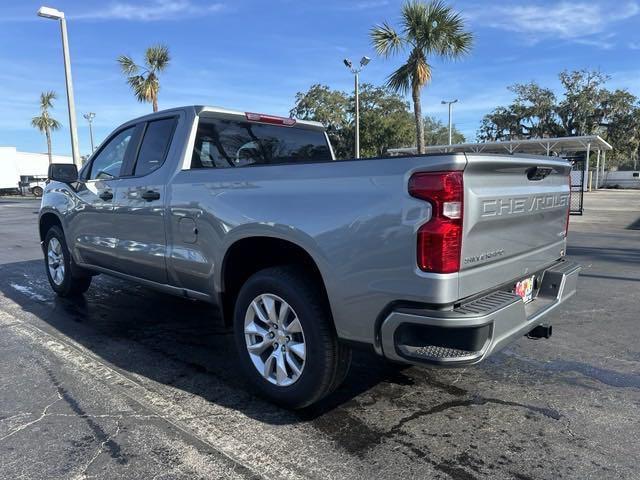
[386, 40]
[144, 88]
[157, 58]
[54, 124]
[39, 122]
[415, 20]
[46, 100]
[143, 80]
[415, 73]
[443, 33]
[127, 65]
[421, 73]
[400, 80]
[150, 87]
[44, 122]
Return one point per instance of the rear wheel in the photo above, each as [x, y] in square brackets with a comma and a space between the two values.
[58, 264]
[285, 338]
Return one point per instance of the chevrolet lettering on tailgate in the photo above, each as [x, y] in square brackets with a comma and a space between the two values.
[515, 205]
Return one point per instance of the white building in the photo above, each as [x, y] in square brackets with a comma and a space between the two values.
[15, 164]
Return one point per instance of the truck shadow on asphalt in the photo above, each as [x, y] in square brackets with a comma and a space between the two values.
[171, 340]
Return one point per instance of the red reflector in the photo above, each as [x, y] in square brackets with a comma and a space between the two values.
[440, 239]
[261, 117]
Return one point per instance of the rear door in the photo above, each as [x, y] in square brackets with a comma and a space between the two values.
[139, 204]
[515, 218]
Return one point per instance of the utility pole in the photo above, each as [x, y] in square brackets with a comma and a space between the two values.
[356, 79]
[89, 117]
[444, 102]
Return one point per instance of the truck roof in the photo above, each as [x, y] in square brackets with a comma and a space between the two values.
[199, 109]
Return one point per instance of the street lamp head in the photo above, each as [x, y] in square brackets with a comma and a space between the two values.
[443, 102]
[347, 63]
[89, 116]
[364, 61]
[48, 12]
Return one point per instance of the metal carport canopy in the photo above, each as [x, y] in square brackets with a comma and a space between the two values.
[539, 146]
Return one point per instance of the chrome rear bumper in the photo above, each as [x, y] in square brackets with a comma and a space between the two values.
[473, 331]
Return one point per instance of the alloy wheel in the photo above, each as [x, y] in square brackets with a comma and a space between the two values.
[55, 261]
[275, 339]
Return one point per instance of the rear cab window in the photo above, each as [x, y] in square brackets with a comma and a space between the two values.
[230, 143]
[155, 145]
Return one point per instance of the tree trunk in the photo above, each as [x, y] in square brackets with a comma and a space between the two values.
[48, 135]
[155, 103]
[417, 111]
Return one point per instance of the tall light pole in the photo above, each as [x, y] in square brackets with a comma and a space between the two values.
[450, 124]
[356, 78]
[89, 117]
[52, 13]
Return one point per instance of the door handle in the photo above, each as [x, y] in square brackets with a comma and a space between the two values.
[106, 195]
[150, 195]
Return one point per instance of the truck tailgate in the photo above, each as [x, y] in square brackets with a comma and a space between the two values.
[515, 214]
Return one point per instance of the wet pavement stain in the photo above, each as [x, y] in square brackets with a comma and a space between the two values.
[604, 376]
[475, 400]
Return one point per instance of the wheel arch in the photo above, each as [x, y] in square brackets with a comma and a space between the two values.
[249, 255]
[46, 221]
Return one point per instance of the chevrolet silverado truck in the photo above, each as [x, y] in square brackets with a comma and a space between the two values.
[427, 259]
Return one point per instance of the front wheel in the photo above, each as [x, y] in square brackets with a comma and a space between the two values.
[37, 191]
[58, 265]
[285, 338]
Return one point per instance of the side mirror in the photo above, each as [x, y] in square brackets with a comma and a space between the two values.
[63, 172]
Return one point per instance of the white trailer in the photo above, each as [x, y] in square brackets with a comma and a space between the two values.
[9, 177]
[15, 164]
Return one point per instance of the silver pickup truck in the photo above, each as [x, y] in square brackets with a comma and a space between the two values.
[429, 259]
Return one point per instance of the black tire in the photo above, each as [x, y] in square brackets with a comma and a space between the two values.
[37, 191]
[327, 360]
[72, 283]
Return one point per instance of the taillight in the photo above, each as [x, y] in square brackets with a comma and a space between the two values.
[440, 239]
[262, 118]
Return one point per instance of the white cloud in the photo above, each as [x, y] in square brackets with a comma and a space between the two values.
[580, 22]
[366, 5]
[153, 10]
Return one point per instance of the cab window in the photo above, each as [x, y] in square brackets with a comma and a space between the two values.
[155, 145]
[108, 162]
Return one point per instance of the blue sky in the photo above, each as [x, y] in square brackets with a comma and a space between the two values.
[254, 55]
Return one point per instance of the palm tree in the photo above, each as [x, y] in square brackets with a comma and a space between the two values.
[44, 122]
[427, 30]
[143, 80]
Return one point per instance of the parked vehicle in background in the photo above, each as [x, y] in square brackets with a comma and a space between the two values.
[429, 259]
[621, 179]
[33, 185]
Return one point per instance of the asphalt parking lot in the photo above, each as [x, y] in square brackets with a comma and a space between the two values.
[130, 383]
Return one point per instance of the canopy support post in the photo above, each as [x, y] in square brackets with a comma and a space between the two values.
[598, 169]
[587, 183]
